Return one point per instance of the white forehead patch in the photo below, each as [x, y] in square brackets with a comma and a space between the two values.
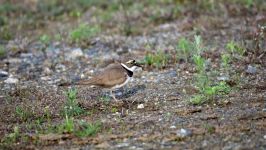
[130, 61]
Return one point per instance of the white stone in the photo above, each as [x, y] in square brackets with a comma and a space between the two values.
[3, 73]
[184, 133]
[172, 127]
[11, 80]
[251, 69]
[140, 106]
[75, 53]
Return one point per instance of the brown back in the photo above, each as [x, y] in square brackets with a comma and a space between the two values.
[114, 74]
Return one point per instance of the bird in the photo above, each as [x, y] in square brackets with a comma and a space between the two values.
[112, 77]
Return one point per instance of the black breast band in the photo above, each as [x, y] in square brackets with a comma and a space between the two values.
[129, 72]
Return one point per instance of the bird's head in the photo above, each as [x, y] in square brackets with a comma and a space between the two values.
[131, 65]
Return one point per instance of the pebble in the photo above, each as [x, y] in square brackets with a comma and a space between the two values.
[3, 74]
[75, 53]
[172, 127]
[183, 133]
[264, 136]
[251, 69]
[223, 78]
[204, 143]
[120, 145]
[140, 106]
[11, 80]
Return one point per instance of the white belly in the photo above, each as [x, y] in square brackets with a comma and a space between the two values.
[120, 85]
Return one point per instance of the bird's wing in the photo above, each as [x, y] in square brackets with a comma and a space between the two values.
[113, 76]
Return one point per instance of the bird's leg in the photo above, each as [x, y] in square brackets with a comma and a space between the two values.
[113, 96]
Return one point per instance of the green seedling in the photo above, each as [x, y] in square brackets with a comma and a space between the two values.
[12, 137]
[208, 90]
[198, 45]
[209, 128]
[87, 129]
[23, 113]
[68, 125]
[197, 99]
[184, 49]
[83, 32]
[200, 63]
[71, 106]
[226, 58]
[2, 51]
[158, 60]
[235, 49]
[45, 39]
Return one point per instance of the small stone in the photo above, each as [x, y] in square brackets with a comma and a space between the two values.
[183, 133]
[119, 93]
[204, 143]
[223, 78]
[60, 68]
[47, 71]
[172, 127]
[11, 80]
[264, 109]
[104, 145]
[251, 69]
[264, 136]
[140, 106]
[120, 145]
[3, 74]
[75, 53]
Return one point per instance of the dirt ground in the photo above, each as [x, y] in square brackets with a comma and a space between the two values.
[153, 111]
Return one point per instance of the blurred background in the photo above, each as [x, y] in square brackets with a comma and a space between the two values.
[56, 18]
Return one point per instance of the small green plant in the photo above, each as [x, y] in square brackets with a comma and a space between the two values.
[12, 137]
[105, 99]
[200, 63]
[197, 99]
[47, 116]
[114, 110]
[7, 7]
[83, 32]
[6, 33]
[75, 13]
[159, 59]
[58, 37]
[246, 3]
[198, 44]
[87, 129]
[45, 39]
[184, 49]
[209, 128]
[235, 49]
[23, 113]
[2, 51]
[68, 125]
[208, 89]
[71, 106]
[226, 58]
[219, 89]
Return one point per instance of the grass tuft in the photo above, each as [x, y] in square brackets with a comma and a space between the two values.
[158, 59]
[83, 32]
[71, 107]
